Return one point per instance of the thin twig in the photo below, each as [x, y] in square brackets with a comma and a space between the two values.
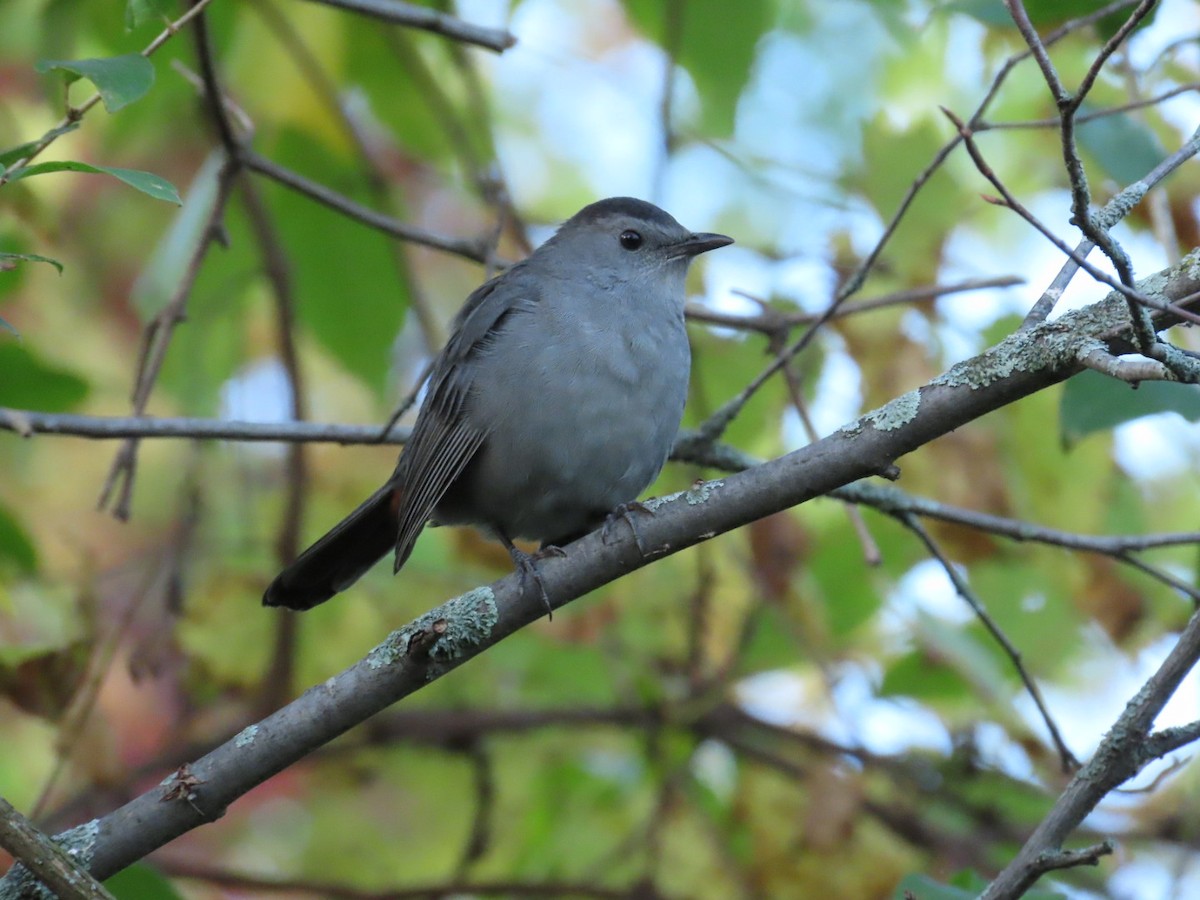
[1066, 757]
[1121, 548]
[179, 868]
[1112, 212]
[157, 338]
[1084, 118]
[475, 250]
[410, 14]
[715, 426]
[1129, 293]
[771, 321]
[277, 678]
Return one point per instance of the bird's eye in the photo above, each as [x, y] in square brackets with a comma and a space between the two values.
[630, 239]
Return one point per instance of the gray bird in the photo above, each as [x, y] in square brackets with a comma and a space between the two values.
[554, 403]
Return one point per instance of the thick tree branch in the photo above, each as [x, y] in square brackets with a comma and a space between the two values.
[1123, 752]
[455, 632]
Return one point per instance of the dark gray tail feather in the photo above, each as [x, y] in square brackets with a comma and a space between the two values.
[339, 558]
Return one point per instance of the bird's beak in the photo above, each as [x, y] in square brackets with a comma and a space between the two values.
[695, 244]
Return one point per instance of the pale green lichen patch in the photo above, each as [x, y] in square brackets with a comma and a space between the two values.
[80, 841]
[1190, 264]
[1051, 345]
[699, 493]
[693, 496]
[246, 737]
[896, 414]
[444, 633]
[1026, 351]
[654, 504]
[389, 652]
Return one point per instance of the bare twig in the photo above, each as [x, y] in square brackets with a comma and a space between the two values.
[1111, 213]
[475, 250]
[1122, 753]
[870, 549]
[771, 321]
[324, 88]
[410, 14]
[1084, 118]
[156, 339]
[1121, 548]
[1129, 293]
[1066, 757]
[1068, 105]
[28, 423]
[179, 868]
[720, 420]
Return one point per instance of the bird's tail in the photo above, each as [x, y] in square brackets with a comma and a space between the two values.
[341, 557]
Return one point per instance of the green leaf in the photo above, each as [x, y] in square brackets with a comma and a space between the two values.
[139, 12]
[772, 643]
[146, 182]
[166, 264]
[27, 257]
[1124, 148]
[947, 654]
[915, 675]
[716, 42]
[989, 12]
[31, 383]
[141, 882]
[1095, 402]
[16, 546]
[120, 79]
[341, 266]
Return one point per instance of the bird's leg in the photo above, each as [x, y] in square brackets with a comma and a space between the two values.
[526, 564]
[626, 511]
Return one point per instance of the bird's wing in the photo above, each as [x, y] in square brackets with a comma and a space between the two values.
[443, 441]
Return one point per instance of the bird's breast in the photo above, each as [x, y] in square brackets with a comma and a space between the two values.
[581, 408]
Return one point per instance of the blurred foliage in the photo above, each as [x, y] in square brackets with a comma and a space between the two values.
[766, 715]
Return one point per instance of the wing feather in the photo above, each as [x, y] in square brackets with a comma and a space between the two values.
[443, 441]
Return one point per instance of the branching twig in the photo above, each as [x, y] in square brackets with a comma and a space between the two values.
[1130, 293]
[1122, 753]
[719, 421]
[1068, 106]
[328, 890]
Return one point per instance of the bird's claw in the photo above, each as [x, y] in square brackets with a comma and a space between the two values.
[626, 511]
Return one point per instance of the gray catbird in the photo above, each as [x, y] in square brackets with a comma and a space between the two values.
[554, 403]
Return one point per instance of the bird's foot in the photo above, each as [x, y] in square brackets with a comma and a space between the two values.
[527, 570]
[626, 512]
